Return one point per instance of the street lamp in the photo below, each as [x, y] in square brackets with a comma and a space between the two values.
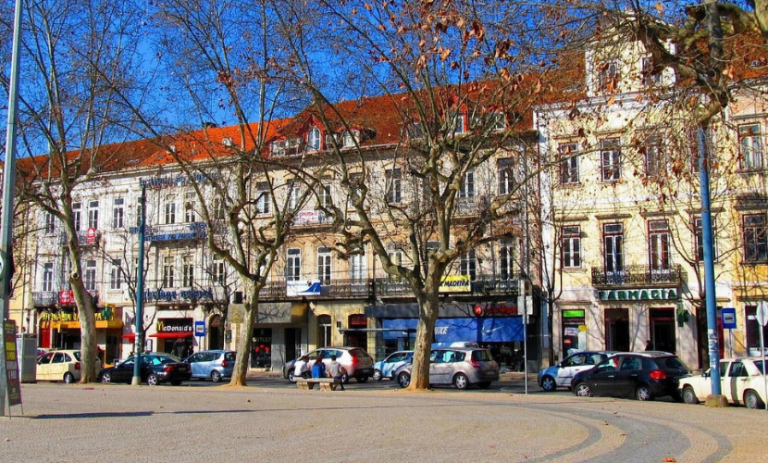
[139, 339]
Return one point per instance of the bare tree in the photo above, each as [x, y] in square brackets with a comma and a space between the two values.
[67, 110]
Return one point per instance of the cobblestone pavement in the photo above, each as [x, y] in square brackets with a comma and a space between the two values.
[116, 423]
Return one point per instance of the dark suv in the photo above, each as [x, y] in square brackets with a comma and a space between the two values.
[642, 375]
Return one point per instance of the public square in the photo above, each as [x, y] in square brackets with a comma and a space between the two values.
[273, 421]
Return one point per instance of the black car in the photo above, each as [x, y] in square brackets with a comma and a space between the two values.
[642, 375]
[155, 368]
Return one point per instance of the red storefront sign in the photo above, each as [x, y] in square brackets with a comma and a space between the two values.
[90, 235]
[66, 297]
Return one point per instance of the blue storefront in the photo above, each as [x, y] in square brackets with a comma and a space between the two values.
[496, 326]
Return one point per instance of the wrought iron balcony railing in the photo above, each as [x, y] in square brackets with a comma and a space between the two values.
[638, 275]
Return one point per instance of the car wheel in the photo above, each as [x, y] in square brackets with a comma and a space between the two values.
[153, 380]
[215, 376]
[377, 375]
[752, 400]
[291, 376]
[344, 376]
[689, 396]
[643, 393]
[106, 378]
[582, 390]
[548, 383]
[362, 379]
[484, 385]
[69, 378]
[461, 381]
[404, 379]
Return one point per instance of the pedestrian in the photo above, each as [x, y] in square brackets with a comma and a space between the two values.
[318, 368]
[301, 367]
[648, 345]
[334, 371]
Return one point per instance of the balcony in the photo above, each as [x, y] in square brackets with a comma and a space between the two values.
[45, 298]
[335, 289]
[483, 284]
[175, 232]
[638, 276]
[84, 238]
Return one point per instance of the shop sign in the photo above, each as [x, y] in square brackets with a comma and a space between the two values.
[455, 284]
[302, 288]
[170, 181]
[648, 294]
[66, 297]
[174, 325]
[90, 235]
[172, 295]
[573, 314]
[309, 217]
[13, 382]
[500, 310]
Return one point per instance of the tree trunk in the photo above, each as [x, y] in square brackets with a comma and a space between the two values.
[85, 312]
[428, 311]
[244, 338]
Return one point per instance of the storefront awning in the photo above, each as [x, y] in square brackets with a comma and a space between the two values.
[130, 337]
[172, 334]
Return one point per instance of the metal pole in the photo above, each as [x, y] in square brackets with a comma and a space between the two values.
[6, 228]
[709, 266]
[139, 340]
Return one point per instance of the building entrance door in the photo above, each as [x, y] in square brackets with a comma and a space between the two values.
[617, 329]
[662, 323]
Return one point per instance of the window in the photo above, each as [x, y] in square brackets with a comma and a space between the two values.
[468, 264]
[90, 275]
[506, 260]
[357, 267]
[753, 328]
[659, 244]
[396, 257]
[698, 232]
[610, 156]
[613, 247]
[394, 186]
[116, 275]
[189, 207]
[314, 139]
[263, 198]
[649, 76]
[608, 76]
[569, 166]
[218, 271]
[497, 121]
[751, 146]
[117, 213]
[467, 189]
[293, 265]
[324, 265]
[571, 246]
[655, 159]
[50, 221]
[48, 276]
[170, 210]
[415, 131]
[187, 272]
[755, 238]
[324, 196]
[506, 172]
[218, 209]
[168, 272]
[350, 138]
[76, 216]
[93, 214]
[294, 195]
[456, 121]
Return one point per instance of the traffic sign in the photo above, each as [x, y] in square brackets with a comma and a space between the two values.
[200, 328]
[728, 315]
[761, 314]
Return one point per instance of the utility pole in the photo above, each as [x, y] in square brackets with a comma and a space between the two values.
[6, 225]
[139, 339]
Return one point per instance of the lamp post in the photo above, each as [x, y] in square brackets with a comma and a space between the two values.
[139, 340]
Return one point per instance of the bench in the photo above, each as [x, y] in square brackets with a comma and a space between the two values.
[326, 384]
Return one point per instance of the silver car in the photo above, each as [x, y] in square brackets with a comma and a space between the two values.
[355, 363]
[561, 374]
[212, 364]
[460, 366]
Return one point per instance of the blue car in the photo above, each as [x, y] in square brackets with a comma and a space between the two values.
[212, 364]
[386, 368]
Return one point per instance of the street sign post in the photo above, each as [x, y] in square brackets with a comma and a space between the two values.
[728, 318]
[761, 315]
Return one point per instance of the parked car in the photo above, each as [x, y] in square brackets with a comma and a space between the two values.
[562, 374]
[642, 375]
[387, 367]
[355, 363]
[461, 367]
[741, 382]
[212, 364]
[155, 368]
[60, 365]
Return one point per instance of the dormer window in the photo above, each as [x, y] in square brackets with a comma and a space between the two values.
[608, 76]
[314, 139]
[649, 77]
[349, 138]
[456, 122]
[415, 131]
[228, 142]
